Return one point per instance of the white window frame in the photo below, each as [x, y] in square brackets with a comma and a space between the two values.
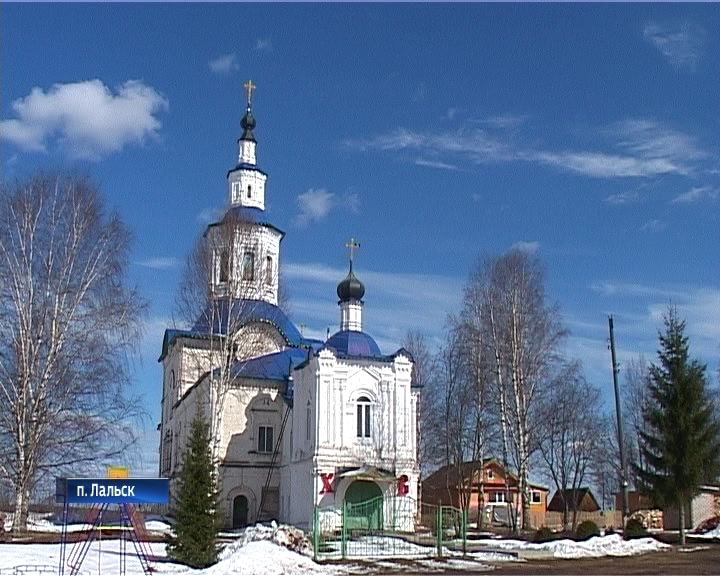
[363, 417]
[262, 439]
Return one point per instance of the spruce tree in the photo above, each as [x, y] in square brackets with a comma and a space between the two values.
[195, 508]
[680, 444]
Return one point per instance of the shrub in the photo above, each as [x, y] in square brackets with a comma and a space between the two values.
[634, 529]
[544, 534]
[587, 529]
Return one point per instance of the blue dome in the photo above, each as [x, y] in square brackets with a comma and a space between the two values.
[353, 343]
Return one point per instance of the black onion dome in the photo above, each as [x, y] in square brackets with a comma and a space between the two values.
[350, 288]
[248, 124]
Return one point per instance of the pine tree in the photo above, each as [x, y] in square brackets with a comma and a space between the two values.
[681, 441]
[196, 518]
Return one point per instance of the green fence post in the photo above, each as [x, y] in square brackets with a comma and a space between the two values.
[343, 532]
[464, 530]
[439, 530]
[316, 533]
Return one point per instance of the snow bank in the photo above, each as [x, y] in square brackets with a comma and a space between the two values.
[283, 534]
[157, 526]
[713, 534]
[265, 557]
[596, 547]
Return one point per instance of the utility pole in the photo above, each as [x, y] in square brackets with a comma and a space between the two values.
[618, 412]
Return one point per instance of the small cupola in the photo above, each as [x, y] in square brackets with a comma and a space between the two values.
[350, 288]
[248, 125]
[350, 291]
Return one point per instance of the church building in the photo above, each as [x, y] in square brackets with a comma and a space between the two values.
[299, 423]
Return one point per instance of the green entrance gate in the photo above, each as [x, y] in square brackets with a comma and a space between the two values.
[364, 507]
[391, 526]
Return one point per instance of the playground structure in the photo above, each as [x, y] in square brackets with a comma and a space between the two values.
[121, 503]
[131, 527]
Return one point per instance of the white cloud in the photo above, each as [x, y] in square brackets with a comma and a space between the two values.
[681, 44]
[698, 305]
[315, 204]
[603, 165]
[351, 201]
[209, 215]
[654, 225]
[696, 194]
[507, 120]
[394, 302]
[435, 164]
[263, 44]
[634, 289]
[159, 263]
[224, 64]
[623, 198]
[527, 247]
[86, 118]
[638, 148]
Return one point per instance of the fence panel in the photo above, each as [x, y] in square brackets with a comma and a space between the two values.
[393, 526]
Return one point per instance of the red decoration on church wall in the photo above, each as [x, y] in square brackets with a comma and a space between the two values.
[402, 485]
[327, 478]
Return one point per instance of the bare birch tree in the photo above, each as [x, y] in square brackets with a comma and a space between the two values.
[636, 399]
[570, 431]
[67, 322]
[424, 377]
[523, 335]
[225, 279]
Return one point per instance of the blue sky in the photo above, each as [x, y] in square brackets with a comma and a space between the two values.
[432, 133]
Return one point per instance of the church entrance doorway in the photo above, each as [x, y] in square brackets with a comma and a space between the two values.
[364, 506]
[240, 512]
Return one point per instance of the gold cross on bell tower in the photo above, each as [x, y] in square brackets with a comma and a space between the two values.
[352, 245]
[249, 87]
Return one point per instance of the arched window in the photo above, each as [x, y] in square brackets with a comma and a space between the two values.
[224, 265]
[249, 191]
[363, 417]
[268, 270]
[248, 268]
[172, 379]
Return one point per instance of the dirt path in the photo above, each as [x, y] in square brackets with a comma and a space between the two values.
[696, 560]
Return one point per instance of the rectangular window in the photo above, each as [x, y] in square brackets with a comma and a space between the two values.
[307, 423]
[497, 497]
[535, 497]
[224, 265]
[265, 439]
[490, 474]
[363, 420]
[248, 267]
[268, 270]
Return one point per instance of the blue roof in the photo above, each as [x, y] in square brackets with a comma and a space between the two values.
[248, 214]
[245, 311]
[242, 312]
[246, 166]
[275, 366]
[353, 343]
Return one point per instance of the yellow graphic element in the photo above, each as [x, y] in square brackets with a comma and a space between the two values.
[118, 472]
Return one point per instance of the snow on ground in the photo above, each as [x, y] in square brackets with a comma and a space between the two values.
[157, 526]
[285, 550]
[42, 523]
[259, 557]
[595, 547]
[711, 535]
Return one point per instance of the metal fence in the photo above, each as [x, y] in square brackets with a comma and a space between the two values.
[390, 527]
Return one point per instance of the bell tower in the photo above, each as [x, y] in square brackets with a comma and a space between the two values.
[246, 182]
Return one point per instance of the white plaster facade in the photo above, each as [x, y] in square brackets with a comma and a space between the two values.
[347, 416]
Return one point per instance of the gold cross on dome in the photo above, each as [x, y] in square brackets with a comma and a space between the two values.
[352, 245]
[249, 87]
